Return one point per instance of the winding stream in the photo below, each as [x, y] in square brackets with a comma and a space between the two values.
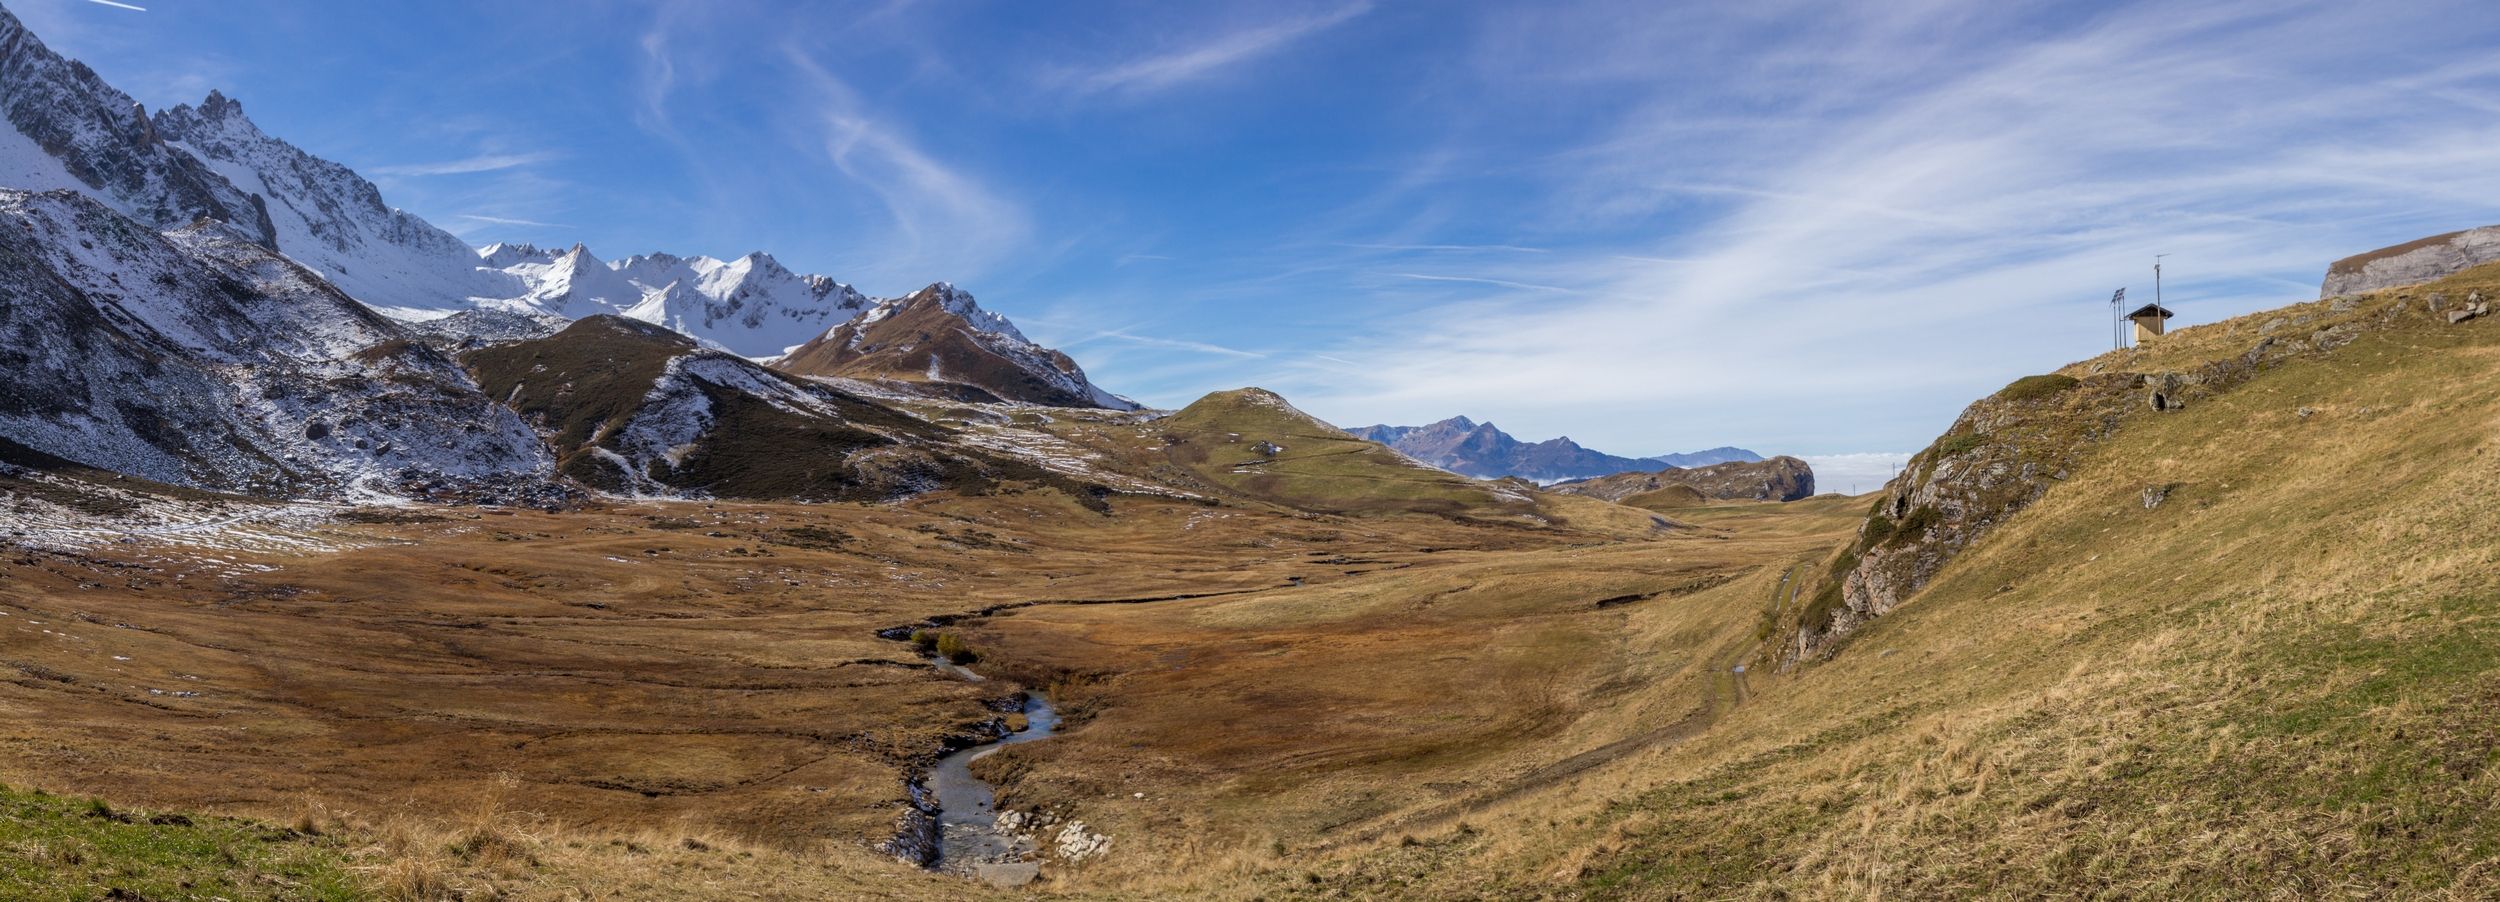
[969, 840]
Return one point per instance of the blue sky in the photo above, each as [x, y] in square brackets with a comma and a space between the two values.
[1816, 228]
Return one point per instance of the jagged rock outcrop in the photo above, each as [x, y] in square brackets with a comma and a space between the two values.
[2413, 262]
[1469, 448]
[939, 336]
[1777, 479]
[332, 220]
[200, 358]
[66, 128]
[474, 329]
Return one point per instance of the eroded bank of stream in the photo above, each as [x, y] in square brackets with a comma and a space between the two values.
[953, 824]
[970, 840]
[961, 828]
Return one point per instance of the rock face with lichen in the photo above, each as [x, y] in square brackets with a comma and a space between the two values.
[2001, 455]
[2008, 450]
[2413, 262]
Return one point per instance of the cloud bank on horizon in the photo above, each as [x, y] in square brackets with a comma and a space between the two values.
[1810, 228]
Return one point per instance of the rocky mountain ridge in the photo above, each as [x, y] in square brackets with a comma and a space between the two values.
[939, 335]
[638, 410]
[70, 130]
[2413, 262]
[1775, 479]
[751, 306]
[200, 358]
[329, 219]
[1468, 448]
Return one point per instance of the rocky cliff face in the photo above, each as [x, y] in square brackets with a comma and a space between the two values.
[1777, 479]
[200, 358]
[331, 220]
[66, 128]
[2413, 262]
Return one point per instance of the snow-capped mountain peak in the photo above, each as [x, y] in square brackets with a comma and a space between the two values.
[956, 302]
[67, 129]
[501, 255]
[327, 217]
[752, 306]
[940, 335]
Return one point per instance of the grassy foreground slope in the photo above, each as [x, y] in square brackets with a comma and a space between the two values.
[59, 848]
[2279, 680]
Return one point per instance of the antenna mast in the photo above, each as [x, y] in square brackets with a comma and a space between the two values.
[2160, 322]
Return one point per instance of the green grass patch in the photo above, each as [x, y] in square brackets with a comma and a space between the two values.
[953, 647]
[61, 849]
[2033, 388]
[1958, 443]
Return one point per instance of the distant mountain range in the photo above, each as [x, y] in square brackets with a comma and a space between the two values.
[1469, 448]
[67, 130]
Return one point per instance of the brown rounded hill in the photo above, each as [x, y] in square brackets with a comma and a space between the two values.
[920, 340]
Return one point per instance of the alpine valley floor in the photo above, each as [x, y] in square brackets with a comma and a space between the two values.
[665, 699]
[2237, 644]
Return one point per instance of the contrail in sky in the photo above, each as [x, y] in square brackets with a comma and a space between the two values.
[119, 5]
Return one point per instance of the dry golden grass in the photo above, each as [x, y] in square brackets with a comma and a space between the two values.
[1427, 691]
[523, 705]
[2278, 683]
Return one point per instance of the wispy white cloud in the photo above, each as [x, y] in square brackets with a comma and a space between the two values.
[1450, 248]
[945, 222]
[1172, 68]
[1499, 283]
[657, 76]
[1172, 343]
[505, 220]
[487, 162]
[1857, 278]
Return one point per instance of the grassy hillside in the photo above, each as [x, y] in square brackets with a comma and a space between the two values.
[1250, 442]
[2277, 679]
[581, 383]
